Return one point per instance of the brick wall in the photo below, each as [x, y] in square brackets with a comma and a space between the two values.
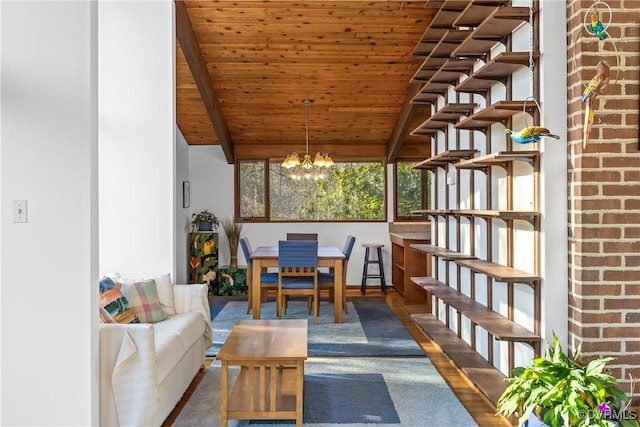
[604, 191]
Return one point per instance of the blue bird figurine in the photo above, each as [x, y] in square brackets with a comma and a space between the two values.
[530, 134]
[598, 28]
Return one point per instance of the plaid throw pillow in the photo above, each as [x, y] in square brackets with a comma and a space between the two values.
[117, 306]
[144, 300]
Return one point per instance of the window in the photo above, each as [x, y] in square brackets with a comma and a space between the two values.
[411, 190]
[351, 191]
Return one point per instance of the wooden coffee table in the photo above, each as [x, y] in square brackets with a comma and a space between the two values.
[271, 355]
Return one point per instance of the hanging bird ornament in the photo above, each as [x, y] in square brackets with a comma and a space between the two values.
[599, 82]
[597, 27]
[596, 86]
[530, 134]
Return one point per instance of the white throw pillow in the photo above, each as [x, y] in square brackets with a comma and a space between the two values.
[165, 292]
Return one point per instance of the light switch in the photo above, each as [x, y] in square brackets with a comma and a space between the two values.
[19, 211]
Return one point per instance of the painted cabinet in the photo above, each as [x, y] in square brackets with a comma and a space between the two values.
[203, 258]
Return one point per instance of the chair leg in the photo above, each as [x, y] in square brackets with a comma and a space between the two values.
[278, 303]
[248, 298]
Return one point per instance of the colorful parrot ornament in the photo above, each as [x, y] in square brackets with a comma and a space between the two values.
[597, 27]
[596, 86]
[599, 82]
[530, 134]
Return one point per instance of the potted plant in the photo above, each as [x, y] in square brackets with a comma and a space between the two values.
[204, 221]
[559, 391]
[233, 229]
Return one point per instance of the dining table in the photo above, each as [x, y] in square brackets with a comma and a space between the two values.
[264, 257]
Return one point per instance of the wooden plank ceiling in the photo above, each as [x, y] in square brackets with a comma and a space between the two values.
[244, 67]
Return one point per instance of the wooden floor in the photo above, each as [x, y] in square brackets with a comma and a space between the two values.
[482, 411]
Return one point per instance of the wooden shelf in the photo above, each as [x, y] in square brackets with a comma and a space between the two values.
[425, 98]
[495, 113]
[444, 159]
[432, 212]
[501, 273]
[441, 252]
[494, 29]
[450, 113]
[473, 15]
[505, 215]
[500, 158]
[497, 325]
[496, 70]
[436, 53]
[488, 379]
[433, 67]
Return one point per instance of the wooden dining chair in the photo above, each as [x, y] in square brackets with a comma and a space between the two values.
[298, 273]
[328, 280]
[267, 280]
[302, 236]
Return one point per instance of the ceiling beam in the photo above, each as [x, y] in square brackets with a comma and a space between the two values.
[191, 49]
[401, 127]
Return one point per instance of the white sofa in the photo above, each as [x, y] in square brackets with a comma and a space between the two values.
[146, 368]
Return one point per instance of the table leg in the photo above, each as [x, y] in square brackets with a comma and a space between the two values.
[339, 289]
[299, 392]
[224, 393]
[255, 288]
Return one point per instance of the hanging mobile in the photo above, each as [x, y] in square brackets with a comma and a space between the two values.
[530, 133]
[600, 81]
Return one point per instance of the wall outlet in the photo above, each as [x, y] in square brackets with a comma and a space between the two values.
[19, 211]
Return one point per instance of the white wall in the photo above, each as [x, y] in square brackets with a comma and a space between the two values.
[48, 157]
[212, 188]
[182, 214]
[137, 134]
[553, 180]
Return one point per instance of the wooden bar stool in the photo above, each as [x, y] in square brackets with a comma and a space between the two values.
[367, 260]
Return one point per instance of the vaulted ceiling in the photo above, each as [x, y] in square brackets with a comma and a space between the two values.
[244, 68]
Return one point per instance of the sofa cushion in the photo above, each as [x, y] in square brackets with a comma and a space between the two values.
[173, 337]
[165, 292]
[144, 300]
[117, 306]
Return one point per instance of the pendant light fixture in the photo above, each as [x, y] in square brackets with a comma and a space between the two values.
[307, 168]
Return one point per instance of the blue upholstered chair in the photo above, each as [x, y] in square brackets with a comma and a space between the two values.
[267, 280]
[298, 273]
[302, 236]
[327, 280]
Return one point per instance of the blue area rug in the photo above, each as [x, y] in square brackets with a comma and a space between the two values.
[370, 328]
[361, 391]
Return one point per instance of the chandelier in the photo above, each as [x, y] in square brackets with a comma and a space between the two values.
[306, 168]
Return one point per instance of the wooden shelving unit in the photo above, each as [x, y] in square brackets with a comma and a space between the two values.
[498, 69]
[496, 28]
[444, 159]
[450, 113]
[459, 278]
[499, 112]
[407, 262]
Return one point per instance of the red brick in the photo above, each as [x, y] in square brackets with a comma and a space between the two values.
[619, 133]
[620, 190]
[602, 317]
[620, 162]
[622, 304]
[632, 346]
[631, 261]
[600, 261]
[633, 289]
[631, 233]
[624, 246]
[583, 275]
[620, 218]
[632, 318]
[597, 204]
[586, 190]
[601, 346]
[620, 276]
[620, 332]
[633, 176]
[632, 204]
[598, 289]
[601, 176]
